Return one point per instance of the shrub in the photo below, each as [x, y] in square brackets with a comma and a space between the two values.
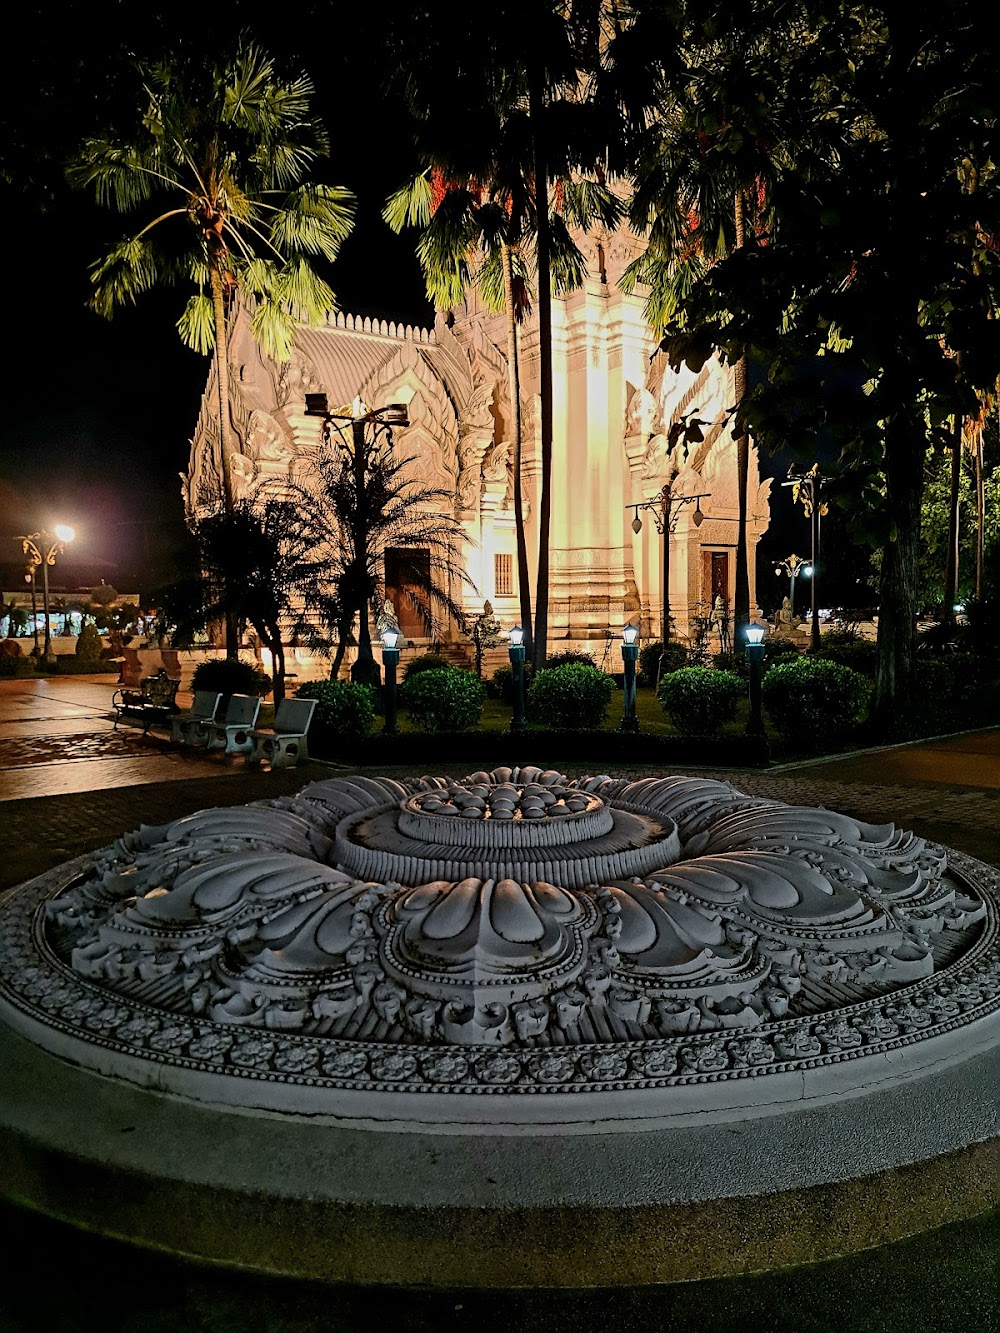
[228, 676]
[344, 708]
[849, 650]
[445, 700]
[573, 696]
[10, 648]
[735, 663]
[952, 691]
[501, 685]
[812, 700]
[89, 645]
[569, 658]
[775, 649]
[698, 700]
[426, 662]
[649, 660]
[18, 667]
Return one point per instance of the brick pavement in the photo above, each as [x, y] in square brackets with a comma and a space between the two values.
[947, 789]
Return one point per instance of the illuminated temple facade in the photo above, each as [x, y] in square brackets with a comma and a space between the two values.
[614, 403]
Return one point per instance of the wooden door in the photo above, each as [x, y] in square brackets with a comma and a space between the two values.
[407, 575]
[720, 576]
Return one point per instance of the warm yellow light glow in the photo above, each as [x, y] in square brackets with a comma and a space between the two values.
[64, 533]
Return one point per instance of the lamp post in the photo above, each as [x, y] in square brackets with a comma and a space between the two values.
[807, 487]
[754, 650]
[363, 450]
[29, 577]
[630, 655]
[666, 510]
[41, 548]
[390, 660]
[793, 565]
[516, 652]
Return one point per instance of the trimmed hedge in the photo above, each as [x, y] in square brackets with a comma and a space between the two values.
[569, 658]
[698, 700]
[812, 700]
[345, 710]
[444, 700]
[573, 696]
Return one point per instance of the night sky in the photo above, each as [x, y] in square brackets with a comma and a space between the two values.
[100, 413]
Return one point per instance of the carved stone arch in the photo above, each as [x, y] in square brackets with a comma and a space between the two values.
[407, 377]
[296, 378]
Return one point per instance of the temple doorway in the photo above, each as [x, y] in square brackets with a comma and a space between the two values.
[407, 575]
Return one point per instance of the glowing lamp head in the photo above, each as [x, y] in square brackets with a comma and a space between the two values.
[516, 637]
[629, 634]
[389, 638]
[807, 571]
[755, 634]
[359, 408]
[64, 533]
[637, 524]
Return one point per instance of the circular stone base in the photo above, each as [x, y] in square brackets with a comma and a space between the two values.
[305, 1197]
[779, 1043]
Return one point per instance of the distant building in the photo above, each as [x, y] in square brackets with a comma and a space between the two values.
[614, 404]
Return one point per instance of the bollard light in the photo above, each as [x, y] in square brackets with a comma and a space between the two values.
[755, 660]
[390, 660]
[516, 654]
[630, 655]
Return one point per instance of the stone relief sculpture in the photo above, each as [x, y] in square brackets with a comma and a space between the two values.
[512, 930]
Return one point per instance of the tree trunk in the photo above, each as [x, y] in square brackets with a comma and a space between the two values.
[226, 445]
[741, 607]
[980, 513]
[904, 466]
[537, 101]
[954, 492]
[514, 379]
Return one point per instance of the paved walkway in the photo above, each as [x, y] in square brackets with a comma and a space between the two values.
[70, 783]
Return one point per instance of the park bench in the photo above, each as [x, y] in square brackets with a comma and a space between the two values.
[233, 733]
[284, 744]
[192, 727]
[154, 702]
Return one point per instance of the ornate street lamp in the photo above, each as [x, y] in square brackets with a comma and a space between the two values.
[41, 548]
[754, 650]
[666, 510]
[390, 660]
[793, 565]
[516, 653]
[807, 488]
[369, 438]
[630, 655]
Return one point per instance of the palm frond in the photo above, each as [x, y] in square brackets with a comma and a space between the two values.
[197, 324]
[410, 205]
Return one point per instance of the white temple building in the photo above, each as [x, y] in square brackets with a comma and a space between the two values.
[614, 403]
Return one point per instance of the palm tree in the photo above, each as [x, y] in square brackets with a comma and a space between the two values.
[702, 179]
[494, 163]
[217, 161]
[357, 502]
[258, 567]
